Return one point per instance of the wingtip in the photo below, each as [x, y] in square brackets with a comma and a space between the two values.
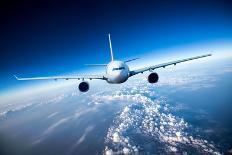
[16, 77]
[207, 55]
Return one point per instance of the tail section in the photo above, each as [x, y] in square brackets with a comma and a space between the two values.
[111, 51]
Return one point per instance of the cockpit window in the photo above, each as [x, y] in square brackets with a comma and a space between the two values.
[120, 68]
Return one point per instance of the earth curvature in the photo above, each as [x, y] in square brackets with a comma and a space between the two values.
[186, 112]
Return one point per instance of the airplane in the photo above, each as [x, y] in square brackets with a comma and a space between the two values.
[117, 72]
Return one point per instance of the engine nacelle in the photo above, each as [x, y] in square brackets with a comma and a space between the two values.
[83, 86]
[153, 78]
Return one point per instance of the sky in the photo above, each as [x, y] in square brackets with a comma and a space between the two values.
[47, 38]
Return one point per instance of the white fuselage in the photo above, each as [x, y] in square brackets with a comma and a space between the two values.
[117, 72]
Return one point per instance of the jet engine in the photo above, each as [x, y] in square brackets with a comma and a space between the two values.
[83, 86]
[153, 78]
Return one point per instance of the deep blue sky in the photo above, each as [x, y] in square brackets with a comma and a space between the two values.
[41, 38]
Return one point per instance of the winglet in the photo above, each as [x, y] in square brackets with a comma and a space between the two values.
[111, 51]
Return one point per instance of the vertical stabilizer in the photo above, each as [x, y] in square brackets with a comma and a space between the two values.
[111, 51]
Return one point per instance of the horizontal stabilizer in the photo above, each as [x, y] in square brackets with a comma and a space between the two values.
[131, 60]
[95, 64]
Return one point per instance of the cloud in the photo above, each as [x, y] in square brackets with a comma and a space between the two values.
[83, 111]
[148, 115]
[82, 138]
[52, 115]
[87, 130]
[52, 127]
[22, 106]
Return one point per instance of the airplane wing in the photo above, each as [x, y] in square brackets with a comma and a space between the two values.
[78, 77]
[163, 65]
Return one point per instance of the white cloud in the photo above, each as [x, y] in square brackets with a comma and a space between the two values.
[52, 127]
[82, 138]
[52, 115]
[125, 150]
[116, 137]
[108, 151]
[148, 117]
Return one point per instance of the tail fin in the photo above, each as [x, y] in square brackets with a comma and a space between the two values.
[111, 51]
